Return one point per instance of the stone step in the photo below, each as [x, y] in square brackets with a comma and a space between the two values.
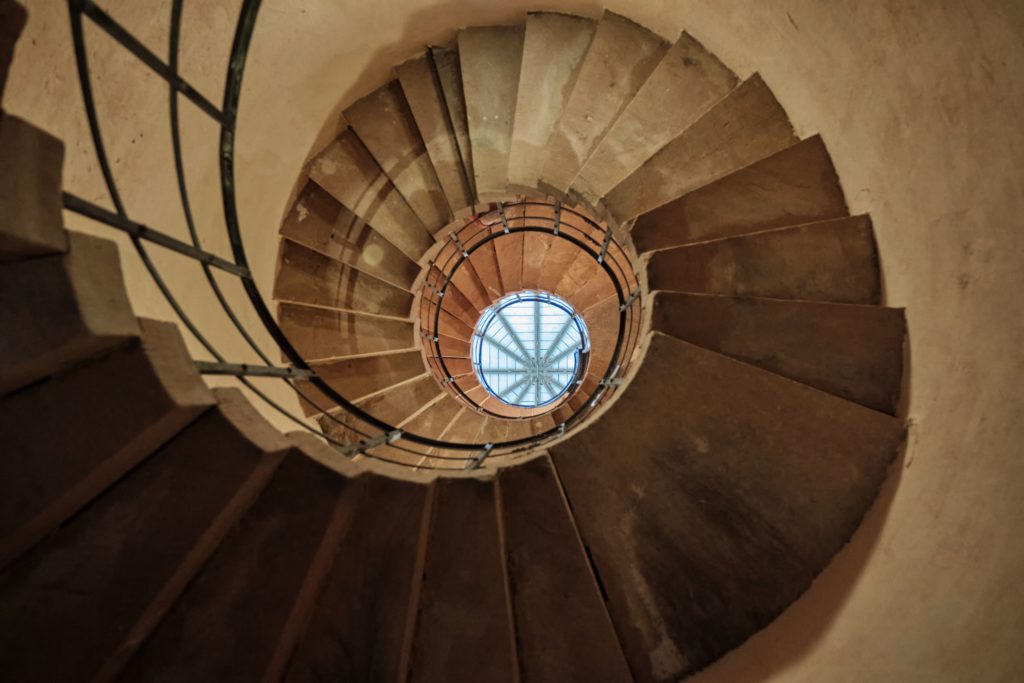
[393, 405]
[490, 58]
[730, 503]
[535, 249]
[384, 123]
[687, 82]
[449, 76]
[349, 173]
[854, 352]
[584, 283]
[797, 185]
[463, 629]
[468, 281]
[553, 48]
[422, 88]
[308, 277]
[563, 631]
[248, 597]
[746, 126]
[13, 18]
[488, 269]
[357, 378]
[435, 419]
[827, 261]
[557, 259]
[31, 223]
[509, 250]
[78, 606]
[359, 623]
[65, 308]
[316, 220]
[450, 346]
[114, 411]
[324, 334]
[620, 58]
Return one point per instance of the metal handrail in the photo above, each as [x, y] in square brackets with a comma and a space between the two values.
[142, 235]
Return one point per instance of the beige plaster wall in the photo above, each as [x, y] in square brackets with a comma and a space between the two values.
[920, 103]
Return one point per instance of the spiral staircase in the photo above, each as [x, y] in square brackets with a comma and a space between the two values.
[739, 412]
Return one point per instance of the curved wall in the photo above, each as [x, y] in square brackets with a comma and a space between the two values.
[919, 102]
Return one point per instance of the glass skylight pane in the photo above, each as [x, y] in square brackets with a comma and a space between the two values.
[527, 348]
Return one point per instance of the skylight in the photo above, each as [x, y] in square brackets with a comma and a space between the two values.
[529, 349]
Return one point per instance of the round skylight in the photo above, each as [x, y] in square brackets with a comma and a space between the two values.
[529, 349]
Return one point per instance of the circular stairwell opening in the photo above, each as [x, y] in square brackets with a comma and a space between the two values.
[530, 349]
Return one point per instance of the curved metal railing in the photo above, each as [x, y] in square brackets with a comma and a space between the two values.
[561, 222]
[375, 438]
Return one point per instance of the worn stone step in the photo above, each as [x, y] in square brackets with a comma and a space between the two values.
[855, 352]
[65, 308]
[828, 261]
[31, 223]
[316, 220]
[422, 88]
[553, 48]
[490, 58]
[584, 283]
[468, 281]
[687, 82]
[509, 250]
[79, 605]
[535, 249]
[463, 629]
[557, 259]
[323, 333]
[114, 412]
[746, 126]
[794, 186]
[449, 75]
[620, 58]
[385, 124]
[451, 346]
[359, 622]
[563, 631]
[246, 597]
[488, 270]
[356, 378]
[730, 503]
[308, 277]
[349, 173]
[435, 419]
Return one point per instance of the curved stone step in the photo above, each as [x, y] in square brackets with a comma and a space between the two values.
[384, 123]
[487, 268]
[687, 82]
[731, 501]
[308, 277]
[490, 58]
[509, 251]
[557, 259]
[746, 126]
[66, 308]
[349, 173]
[553, 48]
[422, 88]
[324, 333]
[78, 606]
[620, 58]
[828, 261]
[31, 160]
[433, 421]
[449, 76]
[535, 248]
[463, 628]
[854, 352]
[563, 631]
[359, 377]
[316, 220]
[114, 411]
[584, 283]
[359, 624]
[249, 597]
[797, 185]
[468, 281]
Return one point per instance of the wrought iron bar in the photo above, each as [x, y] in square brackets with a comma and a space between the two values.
[248, 370]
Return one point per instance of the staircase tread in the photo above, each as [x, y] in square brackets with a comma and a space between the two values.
[833, 260]
[449, 75]
[322, 333]
[684, 85]
[729, 504]
[385, 124]
[620, 58]
[744, 127]
[794, 186]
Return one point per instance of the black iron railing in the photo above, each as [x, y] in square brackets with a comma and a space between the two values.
[374, 438]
